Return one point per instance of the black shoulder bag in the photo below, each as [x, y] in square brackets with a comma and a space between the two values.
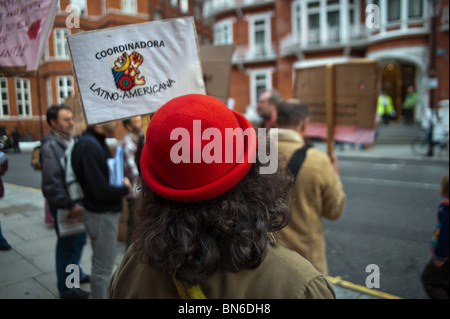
[296, 161]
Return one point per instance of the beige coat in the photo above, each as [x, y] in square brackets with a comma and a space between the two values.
[282, 274]
[318, 192]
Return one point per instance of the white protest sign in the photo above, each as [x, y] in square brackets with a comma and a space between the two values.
[24, 30]
[133, 70]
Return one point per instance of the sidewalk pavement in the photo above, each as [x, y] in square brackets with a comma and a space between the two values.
[383, 151]
[27, 271]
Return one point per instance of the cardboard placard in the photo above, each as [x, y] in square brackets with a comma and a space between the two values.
[216, 66]
[134, 69]
[355, 92]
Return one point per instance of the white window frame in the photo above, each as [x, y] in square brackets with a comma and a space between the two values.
[318, 10]
[297, 19]
[223, 32]
[81, 4]
[404, 19]
[48, 84]
[266, 17]
[267, 73]
[129, 6]
[47, 52]
[4, 102]
[22, 86]
[65, 89]
[302, 33]
[184, 6]
[59, 38]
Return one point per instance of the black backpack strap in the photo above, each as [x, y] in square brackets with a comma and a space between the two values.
[296, 161]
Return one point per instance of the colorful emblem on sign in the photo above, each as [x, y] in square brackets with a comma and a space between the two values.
[126, 71]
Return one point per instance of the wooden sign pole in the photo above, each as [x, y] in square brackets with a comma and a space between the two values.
[330, 108]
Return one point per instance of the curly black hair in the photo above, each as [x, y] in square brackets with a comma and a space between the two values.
[229, 232]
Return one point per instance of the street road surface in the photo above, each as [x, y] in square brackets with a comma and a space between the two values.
[388, 221]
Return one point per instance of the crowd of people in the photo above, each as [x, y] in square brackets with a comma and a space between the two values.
[202, 229]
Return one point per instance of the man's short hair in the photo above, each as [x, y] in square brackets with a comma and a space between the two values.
[53, 111]
[275, 97]
[291, 113]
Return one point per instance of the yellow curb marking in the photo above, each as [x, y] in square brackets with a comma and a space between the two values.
[26, 187]
[346, 284]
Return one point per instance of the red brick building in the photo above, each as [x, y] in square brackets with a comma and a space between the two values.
[24, 100]
[274, 38]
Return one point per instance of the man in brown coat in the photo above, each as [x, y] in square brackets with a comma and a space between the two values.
[317, 191]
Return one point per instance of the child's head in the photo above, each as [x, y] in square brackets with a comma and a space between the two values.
[444, 186]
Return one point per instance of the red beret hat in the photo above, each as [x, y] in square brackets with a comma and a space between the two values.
[196, 149]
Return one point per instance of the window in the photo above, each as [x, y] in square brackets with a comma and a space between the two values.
[157, 16]
[129, 6]
[314, 28]
[260, 84]
[333, 26]
[333, 18]
[81, 4]
[223, 33]
[4, 101]
[393, 10]
[174, 3]
[260, 81]
[184, 6]
[415, 9]
[297, 22]
[314, 21]
[65, 88]
[260, 36]
[61, 49]
[23, 97]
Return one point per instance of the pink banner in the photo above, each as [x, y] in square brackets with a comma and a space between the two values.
[24, 29]
[343, 133]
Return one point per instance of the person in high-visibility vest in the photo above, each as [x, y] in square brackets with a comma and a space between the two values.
[385, 107]
[409, 104]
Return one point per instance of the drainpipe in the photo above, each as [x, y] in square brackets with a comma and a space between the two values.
[435, 5]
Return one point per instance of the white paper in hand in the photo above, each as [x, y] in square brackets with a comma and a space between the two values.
[115, 167]
[68, 226]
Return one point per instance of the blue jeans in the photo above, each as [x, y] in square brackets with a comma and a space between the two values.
[3, 241]
[68, 251]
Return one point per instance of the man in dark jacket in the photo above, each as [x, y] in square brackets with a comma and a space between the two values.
[53, 146]
[102, 202]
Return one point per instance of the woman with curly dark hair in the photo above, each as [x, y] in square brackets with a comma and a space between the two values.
[205, 216]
